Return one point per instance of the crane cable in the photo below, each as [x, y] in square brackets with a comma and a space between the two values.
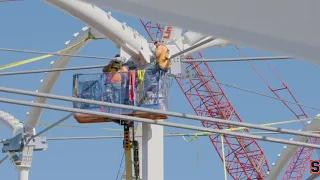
[120, 165]
[243, 128]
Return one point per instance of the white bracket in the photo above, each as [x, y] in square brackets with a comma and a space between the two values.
[175, 67]
[26, 158]
[26, 145]
[187, 73]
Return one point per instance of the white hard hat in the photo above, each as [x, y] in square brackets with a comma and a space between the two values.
[117, 59]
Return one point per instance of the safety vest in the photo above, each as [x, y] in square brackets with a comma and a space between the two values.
[164, 58]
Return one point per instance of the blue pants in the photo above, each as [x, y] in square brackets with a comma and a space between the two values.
[158, 70]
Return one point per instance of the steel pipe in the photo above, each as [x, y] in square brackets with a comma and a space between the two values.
[157, 122]
[168, 113]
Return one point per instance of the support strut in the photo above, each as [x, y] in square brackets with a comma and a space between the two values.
[128, 146]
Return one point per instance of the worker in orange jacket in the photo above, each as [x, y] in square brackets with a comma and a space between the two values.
[115, 85]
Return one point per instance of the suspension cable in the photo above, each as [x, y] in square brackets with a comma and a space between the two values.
[50, 70]
[268, 96]
[3, 159]
[239, 59]
[175, 55]
[218, 82]
[9, 0]
[56, 54]
[120, 165]
[50, 127]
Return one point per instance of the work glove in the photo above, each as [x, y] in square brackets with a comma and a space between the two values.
[152, 48]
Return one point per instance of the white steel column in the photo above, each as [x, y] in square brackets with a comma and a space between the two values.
[23, 173]
[139, 139]
[152, 152]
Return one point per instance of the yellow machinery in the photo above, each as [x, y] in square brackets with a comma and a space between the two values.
[128, 146]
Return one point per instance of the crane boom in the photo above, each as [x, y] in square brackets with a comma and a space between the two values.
[244, 157]
[299, 161]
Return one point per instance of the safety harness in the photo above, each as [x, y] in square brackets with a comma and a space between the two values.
[112, 67]
[167, 57]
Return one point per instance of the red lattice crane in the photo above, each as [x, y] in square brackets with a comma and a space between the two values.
[299, 161]
[244, 157]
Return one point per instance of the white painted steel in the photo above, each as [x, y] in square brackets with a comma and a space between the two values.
[285, 27]
[126, 38]
[23, 173]
[10, 122]
[52, 77]
[152, 152]
[289, 150]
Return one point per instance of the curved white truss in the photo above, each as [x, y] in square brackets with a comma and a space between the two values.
[119, 33]
[259, 24]
[130, 41]
[51, 78]
[289, 150]
[10, 122]
[101, 25]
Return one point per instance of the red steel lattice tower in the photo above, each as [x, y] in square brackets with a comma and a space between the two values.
[299, 161]
[244, 157]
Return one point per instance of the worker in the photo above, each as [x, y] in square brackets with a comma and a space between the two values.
[116, 78]
[162, 55]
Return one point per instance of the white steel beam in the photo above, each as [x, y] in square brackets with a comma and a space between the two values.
[289, 150]
[131, 43]
[286, 27]
[11, 122]
[51, 78]
[313, 176]
[155, 111]
[157, 122]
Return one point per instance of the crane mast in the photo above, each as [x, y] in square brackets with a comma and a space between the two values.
[245, 159]
[299, 161]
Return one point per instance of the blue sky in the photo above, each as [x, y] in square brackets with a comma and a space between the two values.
[35, 25]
